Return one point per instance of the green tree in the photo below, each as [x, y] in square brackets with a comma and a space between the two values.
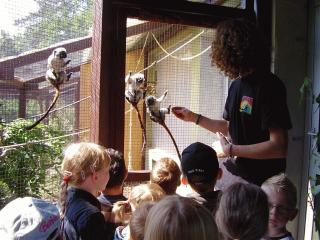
[8, 47]
[55, 21]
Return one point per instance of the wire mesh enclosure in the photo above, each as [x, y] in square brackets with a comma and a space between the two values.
[172, 57]
[30, 160]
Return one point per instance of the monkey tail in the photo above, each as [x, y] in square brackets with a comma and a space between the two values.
[56, 96]
[172, 138]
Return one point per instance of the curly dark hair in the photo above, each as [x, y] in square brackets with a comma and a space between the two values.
[238, 48]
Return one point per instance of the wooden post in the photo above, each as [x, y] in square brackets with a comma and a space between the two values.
[108, 67]
[22, 102]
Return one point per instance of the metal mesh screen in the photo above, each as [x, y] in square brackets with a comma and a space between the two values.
[174, 58]
[29, 160]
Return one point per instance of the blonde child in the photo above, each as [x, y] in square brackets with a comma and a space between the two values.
[166, 173]
[123, 210]
[242, 212]
[176, 217]
[282, 197]
[85, 170]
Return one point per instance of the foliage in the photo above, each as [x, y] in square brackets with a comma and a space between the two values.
[314, 174]
[8, 46]
[25, 168]
[55, 21]
[5, 194]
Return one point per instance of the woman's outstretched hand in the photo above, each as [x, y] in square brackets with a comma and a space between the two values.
[184, 114]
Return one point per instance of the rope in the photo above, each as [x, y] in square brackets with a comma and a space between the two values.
[169, 54]
[43, 140]
[178, 58]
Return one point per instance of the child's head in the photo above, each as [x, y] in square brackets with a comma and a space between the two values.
[139, 194]
[138, 220]
[145, 193]
[166, 173]
[117, 171]
[176, 217]
[243, 212]
[282, 197]
[200, 167]
[84, 163]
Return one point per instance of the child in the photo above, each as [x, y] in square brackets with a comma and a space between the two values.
[118, 173]
[200, 169]
[30, 218]
[243, 212]
[85, 168]
[166, 173]
[176, 217]
[138, 220]
[282, 197]
[123, 210]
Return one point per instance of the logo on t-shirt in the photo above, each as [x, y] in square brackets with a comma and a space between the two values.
[246, 105]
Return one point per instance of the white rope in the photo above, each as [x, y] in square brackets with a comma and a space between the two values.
[178, 58]
[43, 140]
[169, 54]
[63, 107]
[144, 45]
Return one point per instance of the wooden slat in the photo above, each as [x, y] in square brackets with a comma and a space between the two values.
[42, 54]
[138, 176]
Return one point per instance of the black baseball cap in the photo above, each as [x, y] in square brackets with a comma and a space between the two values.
[199, 163]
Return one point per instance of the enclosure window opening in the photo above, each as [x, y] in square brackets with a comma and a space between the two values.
[173, 58]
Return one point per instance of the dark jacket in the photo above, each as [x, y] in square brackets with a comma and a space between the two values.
[83, 218]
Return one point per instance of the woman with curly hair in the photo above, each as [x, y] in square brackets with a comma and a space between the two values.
[256, 118]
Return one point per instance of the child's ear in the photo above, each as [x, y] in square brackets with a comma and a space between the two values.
[293, 214]
[184, 180]
[219, 175]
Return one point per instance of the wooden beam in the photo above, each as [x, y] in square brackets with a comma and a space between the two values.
[138, 176]
[108, 69]
[184, 12]
[42, 54]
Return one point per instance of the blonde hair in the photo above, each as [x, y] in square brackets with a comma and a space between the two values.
[166, 173]
[282, 183]
[80, 160]
[151, 192]
[176, 217]
[138, 220]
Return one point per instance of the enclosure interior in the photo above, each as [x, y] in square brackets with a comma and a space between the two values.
[173, 57]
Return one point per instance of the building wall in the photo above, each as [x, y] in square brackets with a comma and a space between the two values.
[290, 62]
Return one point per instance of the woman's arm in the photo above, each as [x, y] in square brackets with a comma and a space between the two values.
[275, 147]
[212, 125]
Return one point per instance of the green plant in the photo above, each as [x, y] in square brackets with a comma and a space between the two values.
[314, 175]
[24, 168]
[5, 194]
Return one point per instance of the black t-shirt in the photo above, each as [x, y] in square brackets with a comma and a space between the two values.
[255, 104]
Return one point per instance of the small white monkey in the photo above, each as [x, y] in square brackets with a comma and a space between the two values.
[135, 87]
[157, 113]
[56, 75]
[57, 65]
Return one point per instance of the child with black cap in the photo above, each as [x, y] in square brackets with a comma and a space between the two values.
[200, 169]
